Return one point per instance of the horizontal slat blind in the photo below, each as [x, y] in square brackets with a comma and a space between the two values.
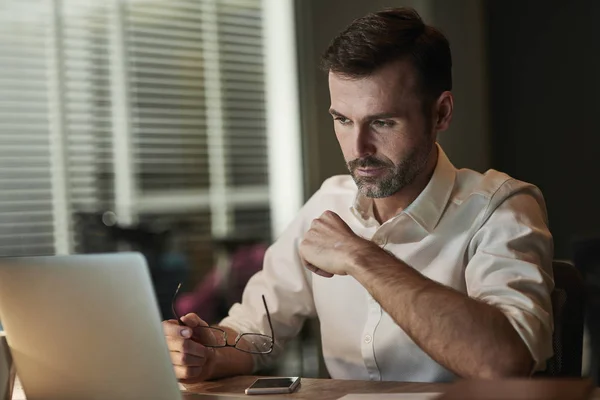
[26, 214]
[166, 78]
[253, 223]
[243, 85]
[196, 72]
[86, 106]
[196, 111]
[87, 103]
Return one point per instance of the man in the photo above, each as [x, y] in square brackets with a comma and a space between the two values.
[417, 271]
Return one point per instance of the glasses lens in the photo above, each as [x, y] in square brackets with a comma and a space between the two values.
[255, 343]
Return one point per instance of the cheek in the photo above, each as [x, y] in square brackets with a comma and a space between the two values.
[395, 146]
[402, 150]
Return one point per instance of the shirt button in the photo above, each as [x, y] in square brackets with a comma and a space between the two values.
[368, 339]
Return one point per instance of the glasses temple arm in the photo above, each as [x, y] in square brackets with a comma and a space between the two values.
[179, 321]
[269, 319]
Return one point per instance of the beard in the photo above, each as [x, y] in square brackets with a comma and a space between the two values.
[395, 177]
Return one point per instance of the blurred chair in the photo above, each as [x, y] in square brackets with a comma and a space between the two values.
[586, 255]
[568, 298]
[237, 260]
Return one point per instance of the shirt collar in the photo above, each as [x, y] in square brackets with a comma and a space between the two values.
[427, 209]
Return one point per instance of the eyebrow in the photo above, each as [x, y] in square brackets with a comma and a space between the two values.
[387, 115]
[335, 113]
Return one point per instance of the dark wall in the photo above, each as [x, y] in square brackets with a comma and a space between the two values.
[467, 141]
[544, 68]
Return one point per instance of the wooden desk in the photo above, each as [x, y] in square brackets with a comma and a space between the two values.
[326, 389]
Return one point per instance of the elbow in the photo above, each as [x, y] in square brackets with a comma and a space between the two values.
[502, 373]
[512, 360]
[509, 367]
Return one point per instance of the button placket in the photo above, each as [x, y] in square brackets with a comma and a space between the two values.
[368, 349]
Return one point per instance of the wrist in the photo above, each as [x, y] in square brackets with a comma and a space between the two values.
[363, 254]
[227, 361]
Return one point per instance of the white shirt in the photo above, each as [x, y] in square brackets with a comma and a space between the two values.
[483, 235]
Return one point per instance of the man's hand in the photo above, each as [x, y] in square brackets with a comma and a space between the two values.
[192, 361]
[329, 245]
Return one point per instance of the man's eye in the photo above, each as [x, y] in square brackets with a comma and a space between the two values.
[383, 124]
[342, 120]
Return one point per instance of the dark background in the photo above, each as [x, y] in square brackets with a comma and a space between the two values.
[526, 89]
[544, 60]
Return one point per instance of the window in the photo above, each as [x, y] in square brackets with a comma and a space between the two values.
[26, 198]
[151, 108]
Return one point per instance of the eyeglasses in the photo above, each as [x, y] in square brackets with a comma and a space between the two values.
[261, 344]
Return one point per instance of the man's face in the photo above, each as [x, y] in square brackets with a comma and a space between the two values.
[380, 123]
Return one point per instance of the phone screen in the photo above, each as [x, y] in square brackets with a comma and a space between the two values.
[267, 383]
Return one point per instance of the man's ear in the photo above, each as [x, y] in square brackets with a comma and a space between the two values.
[443, 110]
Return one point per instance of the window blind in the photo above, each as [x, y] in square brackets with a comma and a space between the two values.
[194, 104]
[26, 210]
[168, 102]
[86, 98]
[242, 71]
[197, 87]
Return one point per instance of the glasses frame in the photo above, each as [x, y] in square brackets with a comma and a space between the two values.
[238, 338]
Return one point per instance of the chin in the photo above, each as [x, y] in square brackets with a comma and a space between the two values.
[373, 191]
[378, 189]
[376, 195]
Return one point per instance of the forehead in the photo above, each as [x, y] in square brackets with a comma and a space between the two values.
[394, 86]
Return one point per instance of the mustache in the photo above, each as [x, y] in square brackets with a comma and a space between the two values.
[366, 162]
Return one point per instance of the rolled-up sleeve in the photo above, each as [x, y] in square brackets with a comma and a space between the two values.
[510, 265]
[286, 285]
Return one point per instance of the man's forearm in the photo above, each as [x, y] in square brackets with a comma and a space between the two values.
[468, 337]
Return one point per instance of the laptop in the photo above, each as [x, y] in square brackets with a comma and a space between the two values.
[86, 327]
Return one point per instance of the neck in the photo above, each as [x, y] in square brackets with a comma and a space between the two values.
[388, 207]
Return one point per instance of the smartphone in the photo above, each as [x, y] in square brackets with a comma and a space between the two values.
[273, 385]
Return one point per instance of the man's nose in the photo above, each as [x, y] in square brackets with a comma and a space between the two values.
[363, 145]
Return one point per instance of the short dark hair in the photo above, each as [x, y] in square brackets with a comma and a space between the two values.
[376, 39]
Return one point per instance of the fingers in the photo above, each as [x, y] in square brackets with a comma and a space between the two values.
[187, 373]
[189, 357]
[186, 360]
[186, 346]
[190, 320]
[330, 217]
[199, 331]
[308, 265]
[195, 329]
[193, 320]
[330, 214]
[172, 329]
[318, 271]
